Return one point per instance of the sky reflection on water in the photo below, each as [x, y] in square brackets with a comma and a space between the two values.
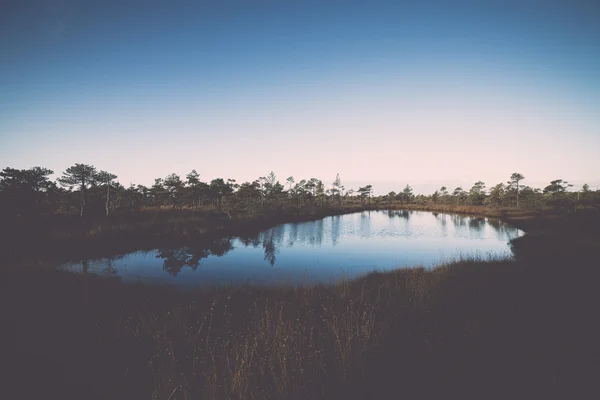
[343, 246]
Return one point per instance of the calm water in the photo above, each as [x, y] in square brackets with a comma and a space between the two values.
[335, 247]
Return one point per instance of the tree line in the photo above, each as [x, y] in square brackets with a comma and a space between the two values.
[86, 190]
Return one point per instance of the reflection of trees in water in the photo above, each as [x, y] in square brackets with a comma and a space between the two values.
[502, 230]
[220, 247]
[278, 234]
[318, 231]
[253, 240]
[269, 240]
[476, 227]
[269, 246]
[311, 232]
[496, 224]
[335, 229]
[175, 259]
[399, 213]
[256, 240]
[365, 224]
[101, 266]
[476, 223]
[306, 233]
[292, 233]
[442, 219]
[110, 270]
[458, 220]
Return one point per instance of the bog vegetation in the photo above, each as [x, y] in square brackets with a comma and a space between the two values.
[476, 328]
[83, 189]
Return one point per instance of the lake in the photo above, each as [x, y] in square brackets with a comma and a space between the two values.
[333, 248]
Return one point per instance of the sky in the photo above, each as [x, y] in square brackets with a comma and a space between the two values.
[425, 93]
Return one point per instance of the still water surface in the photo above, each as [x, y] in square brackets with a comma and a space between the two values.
[333, 248]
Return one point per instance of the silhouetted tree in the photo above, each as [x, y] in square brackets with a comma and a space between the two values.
[37, 179]
[443, 194]
[300, 191]
[249, 192]
[496, 195]
[218, 190]
[135, 195]
[158, 191]
[583, 193]
[350, 193]
[515, 178]
[82, 176]
[557, 186]
[24, 191]
[107, 179]
[269, 183]
[391, 196]
[459, 194]
[290, 181]
[477, 193]
[337, 188]
[435, 196]
[407, 195]
[174, 186]
[556, 191]
[320, 191]
[198, 189]
[365, 192]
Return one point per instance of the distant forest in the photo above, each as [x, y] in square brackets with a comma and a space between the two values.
[83, 189]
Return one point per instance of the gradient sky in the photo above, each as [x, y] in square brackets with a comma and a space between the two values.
[388, 93]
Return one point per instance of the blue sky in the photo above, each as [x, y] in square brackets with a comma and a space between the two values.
[388, 93]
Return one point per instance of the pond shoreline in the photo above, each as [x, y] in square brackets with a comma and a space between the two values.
[144, 231]
[326, 250]
[113, 237]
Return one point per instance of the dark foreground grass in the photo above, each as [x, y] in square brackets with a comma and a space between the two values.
[471, 329]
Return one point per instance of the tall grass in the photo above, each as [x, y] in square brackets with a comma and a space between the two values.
[296, 342]
[236, 342]
[286, 342]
